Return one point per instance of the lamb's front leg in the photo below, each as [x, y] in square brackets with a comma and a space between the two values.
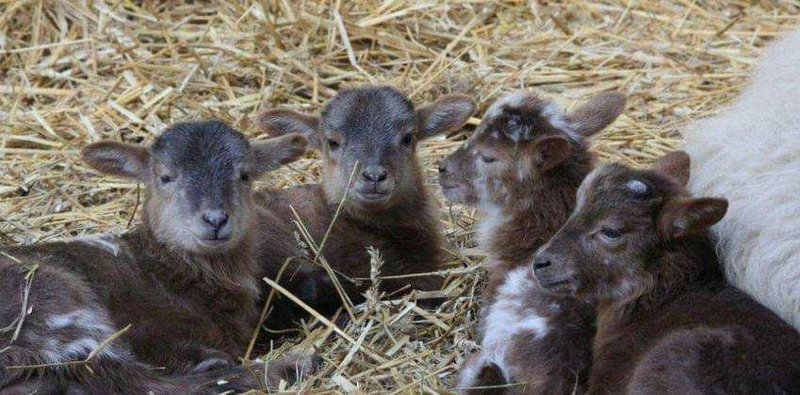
[479, 375]
[66, 342]
[290, 368]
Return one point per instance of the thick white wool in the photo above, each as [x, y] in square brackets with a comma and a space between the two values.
[750, 154]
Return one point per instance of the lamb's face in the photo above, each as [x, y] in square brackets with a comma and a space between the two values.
[369, 135]
[598, 252]
[622, 221]
[520, 138]
[199, 178]
[200, 187]
[457, 175]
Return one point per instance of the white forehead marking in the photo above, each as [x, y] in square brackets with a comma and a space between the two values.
[551, 111]
[636, 187]
[513, 99]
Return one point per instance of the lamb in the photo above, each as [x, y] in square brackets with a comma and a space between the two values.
[667, 320]
[522, 168]
[749, 154]
[372, 133]
[177, 291]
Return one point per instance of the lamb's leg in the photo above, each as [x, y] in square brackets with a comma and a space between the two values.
[66, 338]
[290, 368]
[479, 376]
[311, 284]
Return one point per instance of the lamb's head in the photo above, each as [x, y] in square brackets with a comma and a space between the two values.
[521, 140]
[376, 128]
[199, 178]
[614, 245]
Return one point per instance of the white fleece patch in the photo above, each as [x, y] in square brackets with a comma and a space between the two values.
[93, 329]
[509, 316]
[83, 319]
[749, 155]
[513, 99]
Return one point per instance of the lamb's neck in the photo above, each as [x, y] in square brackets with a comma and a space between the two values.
[684, 266]
[511, 233]
[232, 270]
[415, 210]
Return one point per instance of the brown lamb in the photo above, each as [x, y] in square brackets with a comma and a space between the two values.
[667, 319]
[388, 207]
[522, 168]
[184, 279]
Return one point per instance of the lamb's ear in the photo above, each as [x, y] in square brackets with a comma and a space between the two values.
[118, 159]
[597, 113]
[280, 122]
[445, 115]
[683, 217]
[675, 164]
[550, 151]
[274, 152]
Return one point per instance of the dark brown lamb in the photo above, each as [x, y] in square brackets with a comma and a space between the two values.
[183, 280]
[667, 319]
[522, 168]
[371, 133]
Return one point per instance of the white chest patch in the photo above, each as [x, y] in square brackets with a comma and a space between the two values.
[510, 316]
[104, 241]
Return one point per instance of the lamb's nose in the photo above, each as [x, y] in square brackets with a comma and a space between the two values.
[375, 173]
[442, 168]
[216, 218]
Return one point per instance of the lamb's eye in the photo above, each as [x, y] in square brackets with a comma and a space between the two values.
[487, 159]
[244, 176]
[611, 234]
[165, 179]
[333, 144]
[407, 139]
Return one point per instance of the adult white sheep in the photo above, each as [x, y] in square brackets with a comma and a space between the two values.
[750, 154]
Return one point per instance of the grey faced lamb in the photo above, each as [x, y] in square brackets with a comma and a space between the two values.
[368, 135]
[166, 307]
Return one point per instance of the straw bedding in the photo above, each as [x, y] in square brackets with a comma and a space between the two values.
[74, 72]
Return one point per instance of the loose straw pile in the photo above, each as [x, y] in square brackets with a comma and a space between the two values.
[77, 71]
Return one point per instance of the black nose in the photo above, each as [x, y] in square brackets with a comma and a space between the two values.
[442, 168]
[541, 262]
[215, 218]
[375, 173]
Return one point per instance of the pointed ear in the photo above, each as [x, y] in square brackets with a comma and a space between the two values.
[272, 153]
[552, 150]
[687, 216]
[596, 114]
[279, 122]
[118, 159]
[675, 164]
[445, 115]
